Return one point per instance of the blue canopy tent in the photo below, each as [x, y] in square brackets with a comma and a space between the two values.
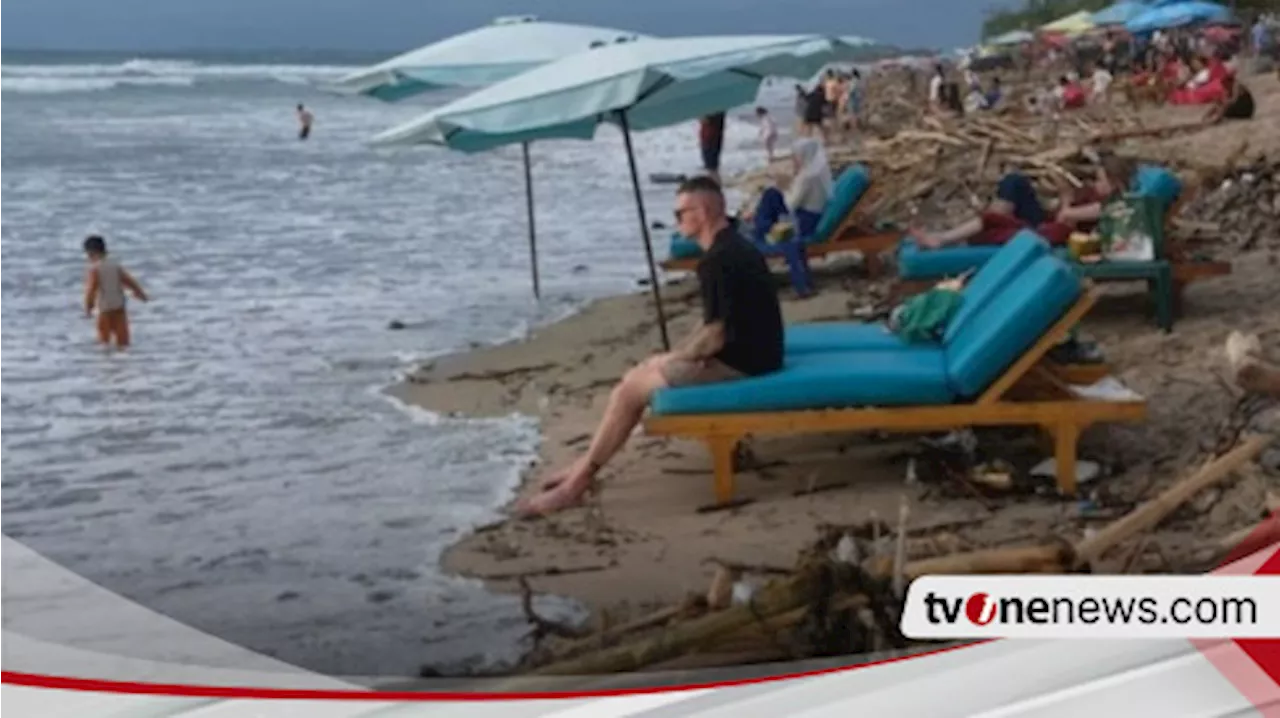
[634, 86]
[480, 57]
[1120, 13]
[1177, 14]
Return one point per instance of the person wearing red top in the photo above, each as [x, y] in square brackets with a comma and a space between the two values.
[1017, 207]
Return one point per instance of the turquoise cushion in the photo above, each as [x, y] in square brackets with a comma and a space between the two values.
[997, 273]
[848, 189]
[1011, 259]
[917, 263]
[684, 248]
[825, 380]
[842, 336]
[1158, 182]
[1009, 324]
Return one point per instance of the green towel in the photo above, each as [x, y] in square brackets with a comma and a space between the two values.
[924, 317]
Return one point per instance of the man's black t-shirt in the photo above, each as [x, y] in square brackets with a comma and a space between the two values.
[738, 291]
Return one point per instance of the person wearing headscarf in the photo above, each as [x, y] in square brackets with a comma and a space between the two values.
[803, 202]
[806, 194]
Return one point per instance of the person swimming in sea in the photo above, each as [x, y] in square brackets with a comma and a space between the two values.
[305, 118]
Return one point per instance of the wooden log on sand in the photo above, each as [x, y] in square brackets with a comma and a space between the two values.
[1150, 514]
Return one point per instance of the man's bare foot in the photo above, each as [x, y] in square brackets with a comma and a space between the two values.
[565, 495]
[924, 240]
[559, 477]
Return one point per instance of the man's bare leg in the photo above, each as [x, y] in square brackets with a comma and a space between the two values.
[959, 233]
[626, 407]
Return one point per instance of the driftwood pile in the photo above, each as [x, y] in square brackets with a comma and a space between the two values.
[1241, 206]
[844, 595]
[937, 169]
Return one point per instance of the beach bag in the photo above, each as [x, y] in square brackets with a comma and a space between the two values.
[924, 317]
[1132, 229]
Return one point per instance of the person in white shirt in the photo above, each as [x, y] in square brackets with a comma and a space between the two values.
[768, 131]
[1101, 80]
[935, 88]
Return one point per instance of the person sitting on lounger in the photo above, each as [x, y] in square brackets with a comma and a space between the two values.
[1017, 207]
[740, 336]
[803, 202]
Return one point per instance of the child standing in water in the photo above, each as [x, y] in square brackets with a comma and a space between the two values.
[105, 285]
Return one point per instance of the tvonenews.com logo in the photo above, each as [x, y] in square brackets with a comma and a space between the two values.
[983, 609]
[1093, 606]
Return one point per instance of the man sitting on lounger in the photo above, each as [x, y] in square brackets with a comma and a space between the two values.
[1017, 207]
[740, 336]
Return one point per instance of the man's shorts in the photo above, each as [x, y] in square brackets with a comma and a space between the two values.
[686, 372]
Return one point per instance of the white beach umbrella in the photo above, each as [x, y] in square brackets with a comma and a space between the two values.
[480, 57]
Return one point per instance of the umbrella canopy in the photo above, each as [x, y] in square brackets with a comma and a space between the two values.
[656, 82]
[636, 85]
[1073, 24]
[477, 58]
[1013, 37]
[1178, 14]
[1119, 14]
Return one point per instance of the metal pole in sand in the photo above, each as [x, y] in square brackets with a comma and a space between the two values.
[533, 234]
[644, 230]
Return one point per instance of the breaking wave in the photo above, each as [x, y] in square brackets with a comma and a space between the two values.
[138, 72]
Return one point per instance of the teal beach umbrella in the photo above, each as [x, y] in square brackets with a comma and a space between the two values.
[640, 85]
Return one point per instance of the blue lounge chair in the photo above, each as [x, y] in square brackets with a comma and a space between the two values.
[1166, 275]
[989, 372]
[994, 275]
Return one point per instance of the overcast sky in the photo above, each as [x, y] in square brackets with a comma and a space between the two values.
[400, 24]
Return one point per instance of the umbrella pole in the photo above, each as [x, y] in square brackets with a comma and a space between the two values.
[533, 241]
[644, 231]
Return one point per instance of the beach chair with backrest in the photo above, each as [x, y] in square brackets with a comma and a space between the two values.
[1003, 267]
[842, 228]
[1167, 274]
[991, 371]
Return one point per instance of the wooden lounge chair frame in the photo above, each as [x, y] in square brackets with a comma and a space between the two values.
[855, 233]
[1033, 391]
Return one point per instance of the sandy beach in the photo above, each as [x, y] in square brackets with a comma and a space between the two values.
[641, 540]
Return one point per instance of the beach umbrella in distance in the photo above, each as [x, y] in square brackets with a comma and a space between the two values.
[480, 57]
[1119, 13]
[1013, 37]
[635, 86]
[1178, 14]
[1073, 24]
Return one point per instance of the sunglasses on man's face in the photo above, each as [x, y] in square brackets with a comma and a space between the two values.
[680, 212]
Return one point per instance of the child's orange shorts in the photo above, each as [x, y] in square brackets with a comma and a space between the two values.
[113, 325]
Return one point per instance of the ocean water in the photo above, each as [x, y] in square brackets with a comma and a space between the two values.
[240, 469]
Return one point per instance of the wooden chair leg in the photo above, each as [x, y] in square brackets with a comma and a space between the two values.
[722, 451]
[1179, 287]
[874, 264]
[1066, 436]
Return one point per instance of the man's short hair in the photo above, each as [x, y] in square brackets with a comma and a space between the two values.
[96, 244]
[707, 187]
[701, 184]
